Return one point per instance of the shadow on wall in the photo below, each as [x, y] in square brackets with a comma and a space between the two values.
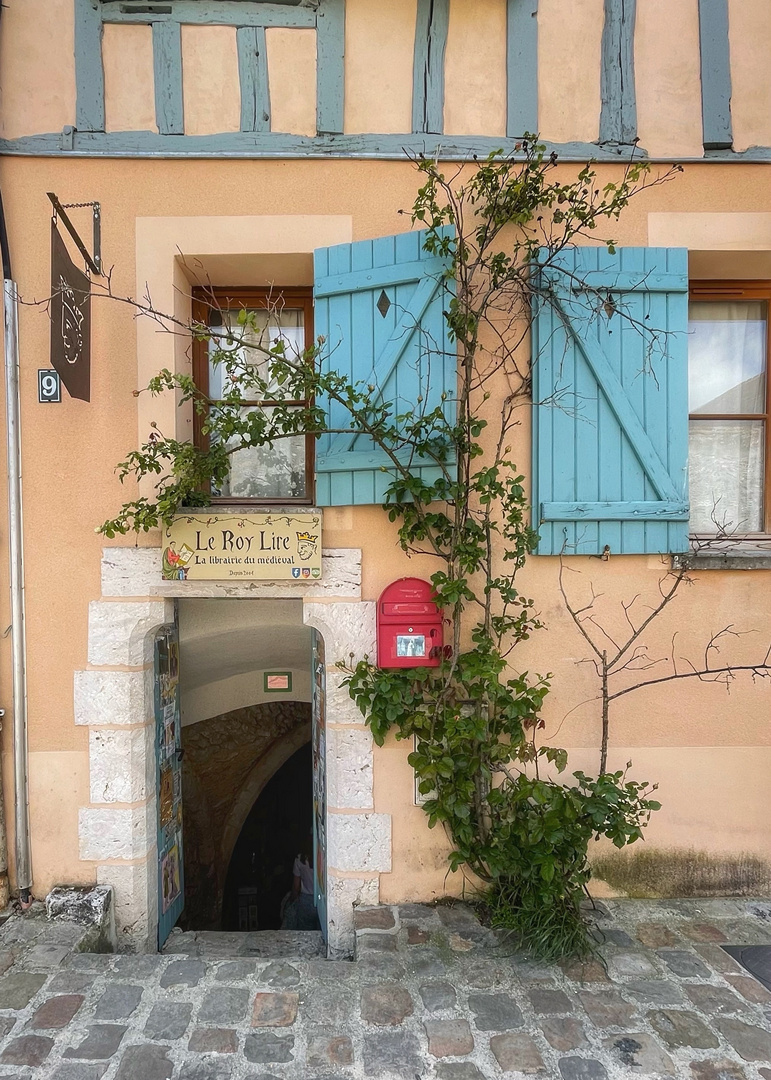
[227, 761]
[661, 873]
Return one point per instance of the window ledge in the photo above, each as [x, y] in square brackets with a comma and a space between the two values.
[741, 555]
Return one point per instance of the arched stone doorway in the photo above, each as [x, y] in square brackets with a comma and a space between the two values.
[228, 760]
[113, 699]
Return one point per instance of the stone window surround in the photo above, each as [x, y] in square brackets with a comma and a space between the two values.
[114, 699]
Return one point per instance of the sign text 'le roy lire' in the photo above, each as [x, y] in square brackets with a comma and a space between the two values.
[275, 546]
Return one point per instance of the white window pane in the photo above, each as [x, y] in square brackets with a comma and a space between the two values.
[727, 356]
[267, 472]
[726, 475]
[286, 324]
[262, 472]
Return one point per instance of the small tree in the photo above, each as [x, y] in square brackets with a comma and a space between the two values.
[624, 663]
[474, 718]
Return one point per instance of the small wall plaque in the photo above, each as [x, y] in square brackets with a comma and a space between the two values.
[49, 387]
[278, 682]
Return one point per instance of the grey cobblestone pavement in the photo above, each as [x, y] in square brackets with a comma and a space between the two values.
[432, 995]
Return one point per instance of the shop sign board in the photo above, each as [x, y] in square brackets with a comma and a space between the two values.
[277, 546]
[70, 320]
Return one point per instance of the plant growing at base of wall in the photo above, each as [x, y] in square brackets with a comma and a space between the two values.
[512, 820]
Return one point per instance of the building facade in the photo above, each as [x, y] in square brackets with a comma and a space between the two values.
[226, 142]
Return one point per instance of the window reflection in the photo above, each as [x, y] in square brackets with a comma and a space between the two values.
[277, 471]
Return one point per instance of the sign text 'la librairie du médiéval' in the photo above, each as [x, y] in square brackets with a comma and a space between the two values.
[267, 547]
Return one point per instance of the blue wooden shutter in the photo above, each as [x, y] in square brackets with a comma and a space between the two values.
[610, 366]
[380, 306]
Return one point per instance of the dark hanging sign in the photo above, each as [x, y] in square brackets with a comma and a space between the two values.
[70, 320]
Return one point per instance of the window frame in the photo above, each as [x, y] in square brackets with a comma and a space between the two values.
[742, 289]
[214, 298]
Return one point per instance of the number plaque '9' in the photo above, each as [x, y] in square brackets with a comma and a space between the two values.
[49, 386]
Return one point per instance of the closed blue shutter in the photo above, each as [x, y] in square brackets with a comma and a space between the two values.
[610, 387]
[380, 304]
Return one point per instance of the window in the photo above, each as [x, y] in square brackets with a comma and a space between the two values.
[282, 473]
[728, 391]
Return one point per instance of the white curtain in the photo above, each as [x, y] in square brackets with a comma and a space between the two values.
[262, 471]
[727, 376]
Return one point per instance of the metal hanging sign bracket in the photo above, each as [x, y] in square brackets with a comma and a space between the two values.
[94, 263]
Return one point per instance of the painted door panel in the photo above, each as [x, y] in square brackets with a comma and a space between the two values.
[319, 782]
[171, 886]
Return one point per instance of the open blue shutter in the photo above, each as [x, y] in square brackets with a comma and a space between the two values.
[380, 304]
[610, 366]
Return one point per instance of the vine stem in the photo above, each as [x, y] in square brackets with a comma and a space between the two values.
[605, 715]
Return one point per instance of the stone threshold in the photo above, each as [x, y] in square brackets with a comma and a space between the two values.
[260, 944]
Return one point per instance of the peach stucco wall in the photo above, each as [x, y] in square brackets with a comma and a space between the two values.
[210, 86]
[292, 80]
[475, 69]
[36, 51]
[129, 92]
[174, 215]
[750, 35]
[378, 96]
[569, 40]
[667, 77]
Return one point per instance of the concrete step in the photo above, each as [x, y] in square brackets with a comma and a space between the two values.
[262, 944]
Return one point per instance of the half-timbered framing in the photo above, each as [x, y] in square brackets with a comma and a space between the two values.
[251, 18]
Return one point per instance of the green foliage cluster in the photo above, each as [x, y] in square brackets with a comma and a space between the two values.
[476, 718]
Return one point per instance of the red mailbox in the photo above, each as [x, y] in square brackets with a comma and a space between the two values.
[409, 625]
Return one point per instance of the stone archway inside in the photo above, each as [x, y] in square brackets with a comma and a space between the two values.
[228, 760]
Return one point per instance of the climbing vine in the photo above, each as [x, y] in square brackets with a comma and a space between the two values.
[515, 822]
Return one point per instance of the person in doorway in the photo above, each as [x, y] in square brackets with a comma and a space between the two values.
[300, 911]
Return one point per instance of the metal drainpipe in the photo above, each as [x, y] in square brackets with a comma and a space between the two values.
[16, 559]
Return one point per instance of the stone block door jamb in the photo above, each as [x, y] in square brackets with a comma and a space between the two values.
[113, 697]
[358, 839]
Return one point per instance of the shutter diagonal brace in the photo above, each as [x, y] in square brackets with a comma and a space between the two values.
[407, 325]
[615, 395]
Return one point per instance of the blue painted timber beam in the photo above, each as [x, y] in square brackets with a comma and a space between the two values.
[431, 26]
[330, 67]
[272, 144]
[253, 77]
[210, 12]
[618, 115]
[384, 147]
[167, 69]
[715, 75]
[89, 71]
[521, 68]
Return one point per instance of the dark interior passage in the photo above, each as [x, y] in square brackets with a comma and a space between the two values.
[228, 760]
[277, 828]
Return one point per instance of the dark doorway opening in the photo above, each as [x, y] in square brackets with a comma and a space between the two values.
[276, 830]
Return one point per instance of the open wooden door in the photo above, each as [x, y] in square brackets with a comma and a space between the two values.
[168, 742]
[319, 743]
